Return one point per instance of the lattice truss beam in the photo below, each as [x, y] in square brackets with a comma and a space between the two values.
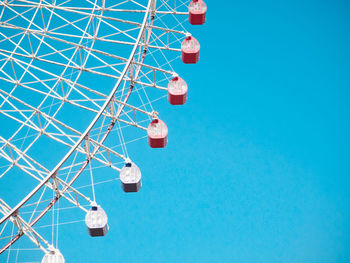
[58, 60]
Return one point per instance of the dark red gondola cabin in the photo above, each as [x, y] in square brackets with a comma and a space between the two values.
[190, 50]
[157, 134]
[177, 91]
[197, 12]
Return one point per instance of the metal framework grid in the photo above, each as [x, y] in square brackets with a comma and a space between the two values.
[49, 53]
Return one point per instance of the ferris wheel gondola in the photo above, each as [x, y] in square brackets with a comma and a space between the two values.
[73, 76]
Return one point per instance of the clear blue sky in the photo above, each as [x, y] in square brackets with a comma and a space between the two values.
[257, 164]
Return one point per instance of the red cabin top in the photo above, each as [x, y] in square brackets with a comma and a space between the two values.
[157, 129]
[197, 7]
[190, 45]
[177, 86]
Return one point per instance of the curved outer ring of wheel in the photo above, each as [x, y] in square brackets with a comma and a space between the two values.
[70, 152]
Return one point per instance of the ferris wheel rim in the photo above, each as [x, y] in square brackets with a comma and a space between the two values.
[85, 133]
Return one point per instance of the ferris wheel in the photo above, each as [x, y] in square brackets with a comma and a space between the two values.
[78, 83]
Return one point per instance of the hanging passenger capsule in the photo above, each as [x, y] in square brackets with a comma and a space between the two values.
[157, 134]
[197, 12]
[53, 256]
[190, 50]
[96, 221]
[130, 176]
[177, 91]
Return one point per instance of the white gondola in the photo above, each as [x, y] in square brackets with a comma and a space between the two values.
[130, 176]
[96, 221]
[53, 256]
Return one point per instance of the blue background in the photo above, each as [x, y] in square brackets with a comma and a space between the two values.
[257, 165]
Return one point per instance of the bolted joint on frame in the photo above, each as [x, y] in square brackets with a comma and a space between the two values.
[131, 73]
[55, 185]
[153, 8]
[87, 147]
[112, 109]
[17, 222]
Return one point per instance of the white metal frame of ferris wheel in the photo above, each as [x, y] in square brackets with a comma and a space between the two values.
[77, 141]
